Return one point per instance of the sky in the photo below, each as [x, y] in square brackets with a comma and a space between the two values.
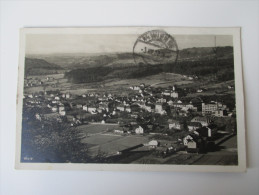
[101, 43]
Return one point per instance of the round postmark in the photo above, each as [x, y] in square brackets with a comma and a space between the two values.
[155, 47]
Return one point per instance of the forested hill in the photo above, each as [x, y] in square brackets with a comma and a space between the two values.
[83, 68]
[224, 68]
[40, 67]
[203, 53]
[192, 61]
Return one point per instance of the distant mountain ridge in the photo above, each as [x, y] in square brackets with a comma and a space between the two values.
[76, 61]
[83, 69]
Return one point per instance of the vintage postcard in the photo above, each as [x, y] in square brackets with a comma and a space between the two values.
[131, 99]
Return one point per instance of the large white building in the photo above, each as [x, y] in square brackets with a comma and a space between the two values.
[212, 107]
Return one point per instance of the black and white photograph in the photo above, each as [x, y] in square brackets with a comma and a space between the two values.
[135, 98]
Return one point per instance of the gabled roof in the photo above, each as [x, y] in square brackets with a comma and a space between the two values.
[200, 118]
[196, 124]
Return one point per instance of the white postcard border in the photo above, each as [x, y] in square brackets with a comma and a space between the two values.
[241, 132]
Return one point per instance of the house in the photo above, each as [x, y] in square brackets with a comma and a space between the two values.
[189, 107]
[153, 143]
[79, 106]
[142, 85]
[194, 143]
[136, 88]
[30, 96]
[174, 94]
[209, 108]
[125, 103]
[54, 109]
[139, 130]
[205, 121]
[161, 100]
[37, 116]
[61, 108]
[176, 125]
[85, 107]
[187, 139]
[121, 108]
[178, 104]
[159, 108]
[128, 109]
[68, 96]
[62, 112]
[170, 102]
[220, 113]
[166, 93]
[119, 131]
[51, 95]
[134, 115]
[92, 110]
[55, 101]
[193, 126]
[133, 123]
[183, 113]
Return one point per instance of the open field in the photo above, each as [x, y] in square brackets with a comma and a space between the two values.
[226, 155]
[101, 141]
[112, 85]
[159, 79]
[96, 128]
[109, 144]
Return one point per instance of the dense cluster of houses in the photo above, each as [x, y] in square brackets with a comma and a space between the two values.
[107, 107]
[34, 82]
